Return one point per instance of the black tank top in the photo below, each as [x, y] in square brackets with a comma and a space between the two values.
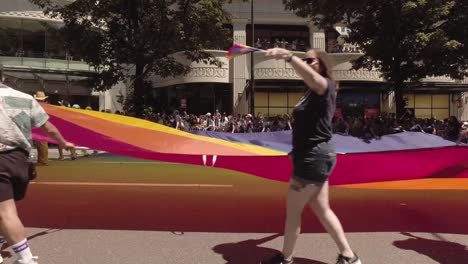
[312, 118]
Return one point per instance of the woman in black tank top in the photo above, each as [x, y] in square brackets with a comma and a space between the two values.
[313, 155]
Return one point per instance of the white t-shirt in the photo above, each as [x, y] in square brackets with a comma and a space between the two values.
[19, 113]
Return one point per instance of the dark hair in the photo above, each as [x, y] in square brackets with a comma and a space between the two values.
[322, 56]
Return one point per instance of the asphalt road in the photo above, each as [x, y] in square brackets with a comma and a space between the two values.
[106, 210]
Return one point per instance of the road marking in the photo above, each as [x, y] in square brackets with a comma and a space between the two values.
[137, 184]
[130, 162]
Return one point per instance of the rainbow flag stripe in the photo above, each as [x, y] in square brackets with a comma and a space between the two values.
[393, 158]
[240, 49]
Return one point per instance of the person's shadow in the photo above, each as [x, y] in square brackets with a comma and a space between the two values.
[249, 252]
[441, 251]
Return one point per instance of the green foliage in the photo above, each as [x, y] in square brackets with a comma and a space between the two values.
[404, 40]
[134, 39]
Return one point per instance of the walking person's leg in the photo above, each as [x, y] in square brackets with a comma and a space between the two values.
[42, 153]
[12, 229]
[60, 151]
[10, 224]
[73, 154]
[2, 241]
[298, 195]
[14, 178]
[319, 202]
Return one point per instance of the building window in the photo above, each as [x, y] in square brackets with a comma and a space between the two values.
[288, 37]
[428, 106]
[272, 103]
[30, 38]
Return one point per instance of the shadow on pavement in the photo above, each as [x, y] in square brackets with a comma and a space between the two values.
[440, 250]
[249, 252]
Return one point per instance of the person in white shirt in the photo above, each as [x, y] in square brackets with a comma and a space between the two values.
[19, 113]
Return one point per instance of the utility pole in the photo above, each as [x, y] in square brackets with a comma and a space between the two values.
[252, 77]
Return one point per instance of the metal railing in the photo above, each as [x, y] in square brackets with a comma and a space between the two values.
[43, 60]
[36, 54]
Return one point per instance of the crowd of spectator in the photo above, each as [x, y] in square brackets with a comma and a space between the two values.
[222, 122]
[376, 127]
[294, 44]
[362, 127]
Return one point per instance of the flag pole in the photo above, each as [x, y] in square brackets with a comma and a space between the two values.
[252, 77]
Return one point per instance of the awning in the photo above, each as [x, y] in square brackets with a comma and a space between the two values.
[51, 83]
[60, 77]
[18, 75]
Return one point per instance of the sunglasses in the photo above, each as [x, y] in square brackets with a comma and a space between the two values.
[309, 60]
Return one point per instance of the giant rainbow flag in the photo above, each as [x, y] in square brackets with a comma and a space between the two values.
[404, 156]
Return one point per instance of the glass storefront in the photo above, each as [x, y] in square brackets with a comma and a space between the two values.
[274, 98]
[358, 104]
[272, 103]
[195, 98]
[280, 98]
[428, 105]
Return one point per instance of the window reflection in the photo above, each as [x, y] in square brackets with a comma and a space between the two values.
[30, 38]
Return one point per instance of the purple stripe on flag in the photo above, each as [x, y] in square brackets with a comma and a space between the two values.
[21, 247]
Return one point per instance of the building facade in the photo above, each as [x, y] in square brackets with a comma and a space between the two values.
[33, 58]
[277, 87]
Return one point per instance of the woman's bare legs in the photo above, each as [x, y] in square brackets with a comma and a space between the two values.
[298, 196]
[316, 196]
[319, 202]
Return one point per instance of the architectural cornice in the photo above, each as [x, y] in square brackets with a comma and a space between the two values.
[357, 75]
[208, 72]
[196, 75]
[445, 79]
[276, 73]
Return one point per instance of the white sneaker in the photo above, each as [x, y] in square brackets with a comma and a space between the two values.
[1, 260]
[32, 261]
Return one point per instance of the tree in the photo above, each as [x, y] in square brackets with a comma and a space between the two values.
[405, 40]
[134, 39]
[457, 29]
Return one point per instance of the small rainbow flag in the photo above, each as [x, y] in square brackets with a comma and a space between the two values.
[240, 49]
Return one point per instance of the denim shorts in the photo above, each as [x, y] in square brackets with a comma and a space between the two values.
[314, 165]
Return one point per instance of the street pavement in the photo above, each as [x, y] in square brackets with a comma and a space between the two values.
[55, 246]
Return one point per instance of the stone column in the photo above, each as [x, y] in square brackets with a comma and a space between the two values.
[316, 37]
[387, 102]
[239, 69]
[463, 111]
[105, 101]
